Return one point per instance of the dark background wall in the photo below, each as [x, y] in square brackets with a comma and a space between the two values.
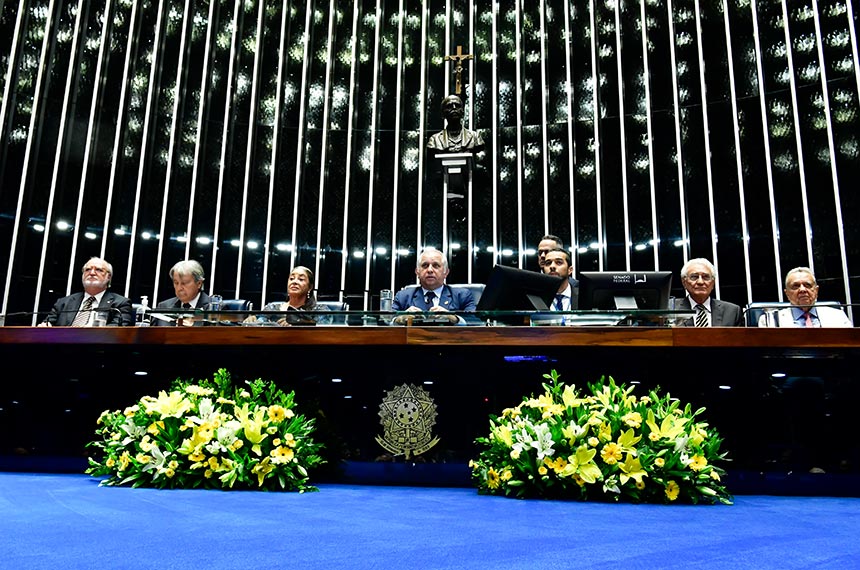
[255, 136]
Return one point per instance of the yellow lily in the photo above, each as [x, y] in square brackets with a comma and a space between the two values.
[262, 469]
[254, 427]
[631, 469]
[670, 428]
[582, 464]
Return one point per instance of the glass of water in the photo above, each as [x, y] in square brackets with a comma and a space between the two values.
[215, 304]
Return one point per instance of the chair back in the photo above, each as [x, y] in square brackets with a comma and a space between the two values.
[336, 306]
[237, 305]
[754, 311]
[477, 289]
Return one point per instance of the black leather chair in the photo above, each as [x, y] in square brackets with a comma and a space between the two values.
[477, 289]
[753, 311]
[237, 305]
[336, 306]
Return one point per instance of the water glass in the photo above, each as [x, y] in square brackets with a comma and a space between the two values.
[215, 304]
[386, 297]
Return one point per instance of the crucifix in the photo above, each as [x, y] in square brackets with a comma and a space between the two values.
[458, 59]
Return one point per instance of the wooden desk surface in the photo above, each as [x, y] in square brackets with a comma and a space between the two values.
[687, 337]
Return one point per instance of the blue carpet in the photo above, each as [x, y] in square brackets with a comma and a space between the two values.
[67, 521]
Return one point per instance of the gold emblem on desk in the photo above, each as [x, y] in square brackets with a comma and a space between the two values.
[407, 415]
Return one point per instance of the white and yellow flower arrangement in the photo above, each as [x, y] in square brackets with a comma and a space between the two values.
[207, 434]
[603, 443]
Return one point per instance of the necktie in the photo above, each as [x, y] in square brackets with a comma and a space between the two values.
[808, 319]
[428, 298]
[186, 305]
[82, 319]
[701, 316]
[559, 302]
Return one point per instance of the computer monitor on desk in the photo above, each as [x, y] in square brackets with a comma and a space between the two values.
[512, 289]
[624, 290]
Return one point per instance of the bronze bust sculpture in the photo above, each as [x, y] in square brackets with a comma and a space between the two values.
[454, 137]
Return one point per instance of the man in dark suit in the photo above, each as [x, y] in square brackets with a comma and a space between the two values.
[188, 277]
[433, 294]
[557, 262]
[699, 277]
[95, 304]
[548, 243]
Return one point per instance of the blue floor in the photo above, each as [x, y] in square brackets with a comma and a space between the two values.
[67, 521]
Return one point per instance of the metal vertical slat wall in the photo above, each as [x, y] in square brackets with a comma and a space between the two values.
[258, 136]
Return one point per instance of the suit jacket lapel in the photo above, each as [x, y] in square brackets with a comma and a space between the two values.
[446, 298]
[70, 310]
[418, 298]
[716, 314]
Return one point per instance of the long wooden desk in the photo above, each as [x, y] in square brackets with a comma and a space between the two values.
[688, 337]
[779, 397]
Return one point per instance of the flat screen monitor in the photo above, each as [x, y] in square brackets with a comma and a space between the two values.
[512, 289]
[624, 290]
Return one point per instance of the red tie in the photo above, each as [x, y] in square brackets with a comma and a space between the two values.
[808, 319]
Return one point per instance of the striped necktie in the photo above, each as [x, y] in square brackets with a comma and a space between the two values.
[82, 319]
[701, 316]
[559, 302]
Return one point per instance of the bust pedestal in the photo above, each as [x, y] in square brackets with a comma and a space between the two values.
[457, 198]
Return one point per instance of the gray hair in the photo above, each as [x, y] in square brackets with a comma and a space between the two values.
[188, 267]
[799, 270]
[701, 261]
[107, 264]
[431, 249]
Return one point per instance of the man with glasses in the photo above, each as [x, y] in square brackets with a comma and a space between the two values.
[802, 290]
[698, 277]
[95, 305]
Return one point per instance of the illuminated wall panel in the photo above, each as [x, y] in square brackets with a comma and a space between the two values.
[259, 136]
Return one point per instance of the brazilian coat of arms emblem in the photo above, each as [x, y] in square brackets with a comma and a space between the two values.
[407, 414]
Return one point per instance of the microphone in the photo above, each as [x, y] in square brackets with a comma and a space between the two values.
[110, 311]
[17, 314]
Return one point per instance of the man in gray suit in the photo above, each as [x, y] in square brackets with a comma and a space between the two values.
[81, 309]
[699, 277]
[188, 277]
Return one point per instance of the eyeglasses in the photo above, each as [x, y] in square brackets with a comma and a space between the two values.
[805, 284]
[696, 276]
[99, 270]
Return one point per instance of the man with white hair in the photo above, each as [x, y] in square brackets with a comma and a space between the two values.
[433, 294]
[699, 277]
[802, 290]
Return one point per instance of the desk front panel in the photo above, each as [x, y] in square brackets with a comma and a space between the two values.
[341, 375]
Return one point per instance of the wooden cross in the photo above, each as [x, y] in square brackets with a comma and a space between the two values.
[458, 59]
